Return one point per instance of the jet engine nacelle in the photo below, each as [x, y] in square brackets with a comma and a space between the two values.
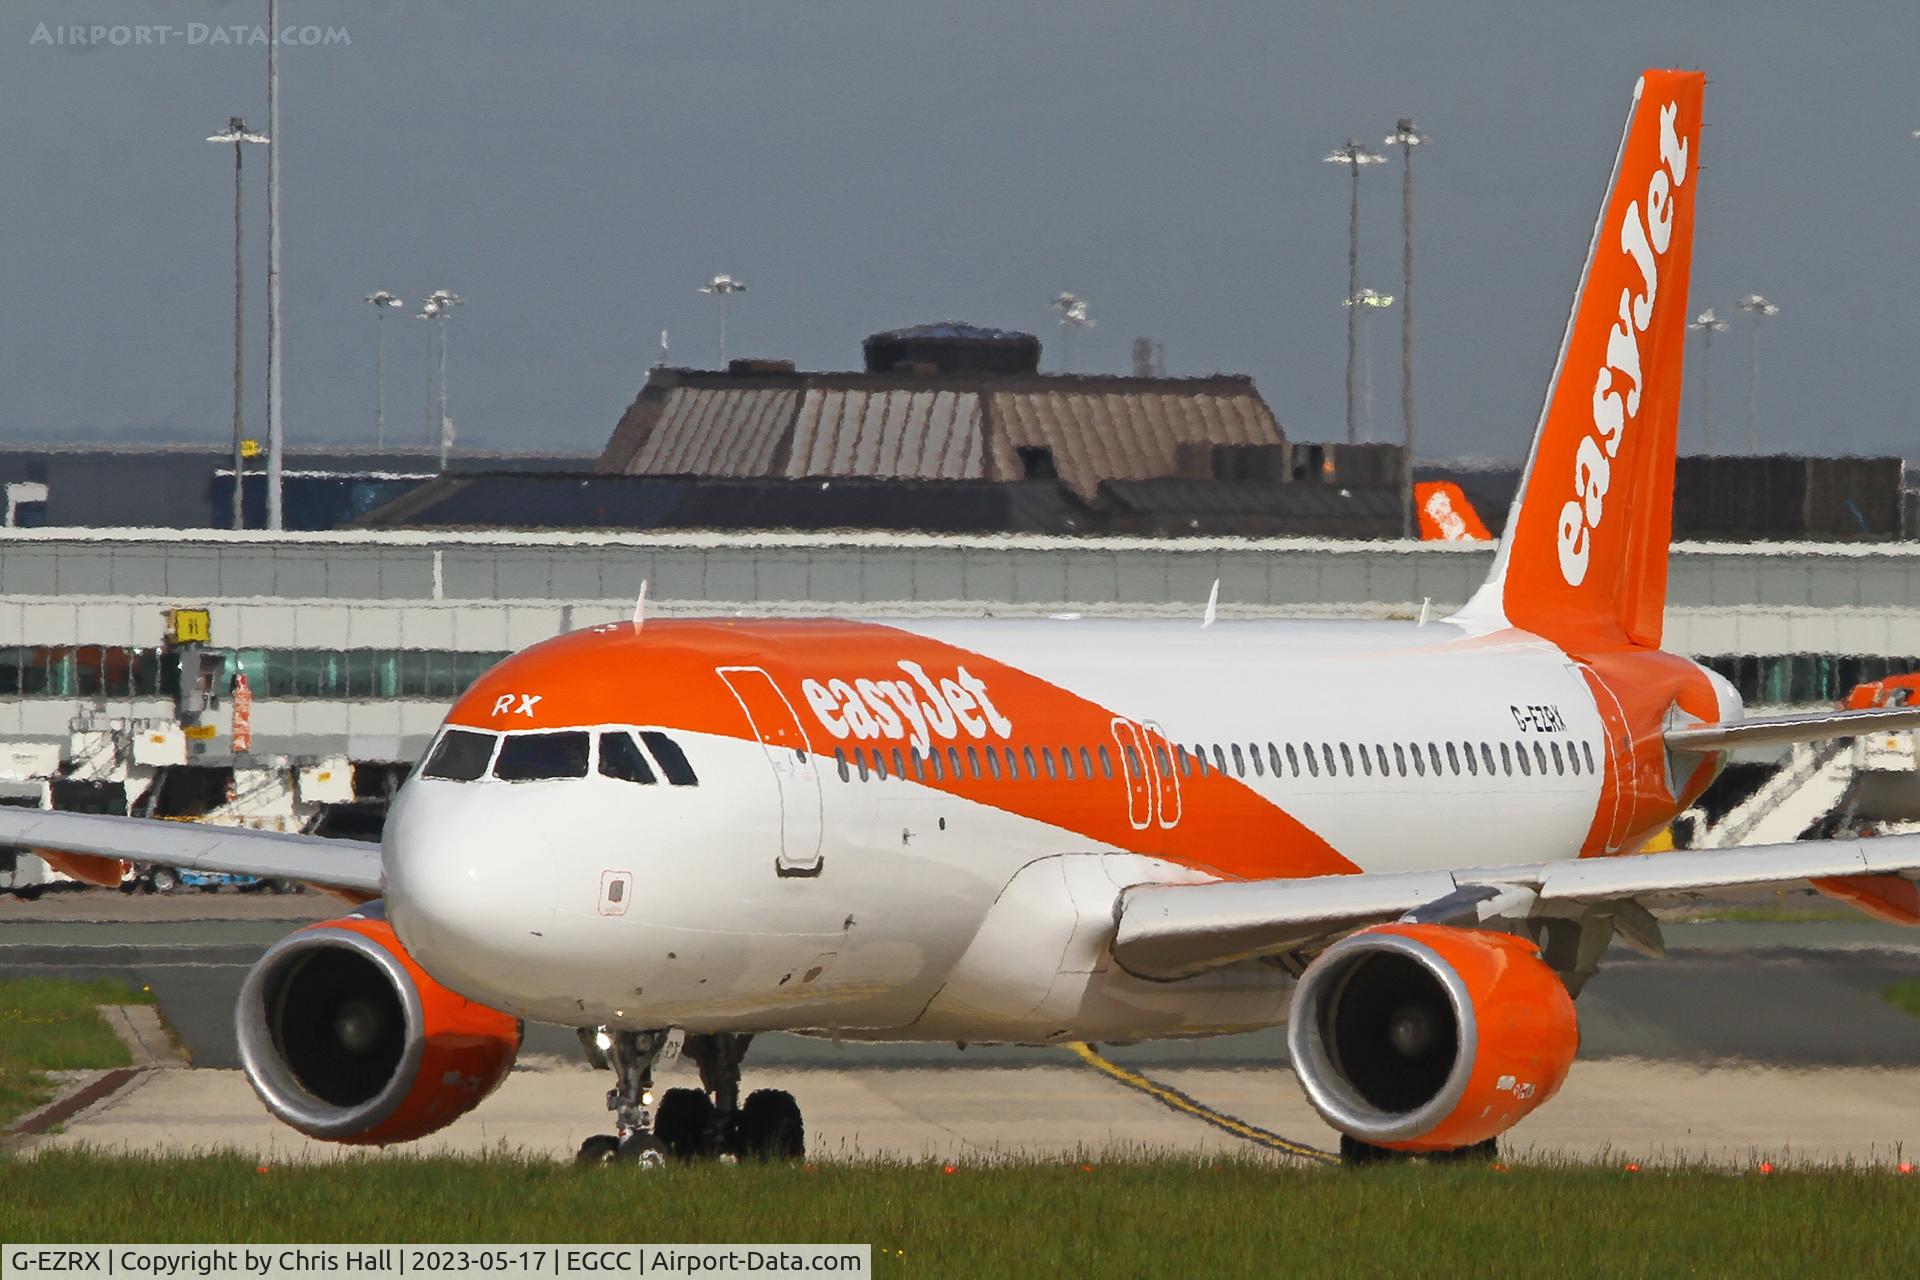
[344, 1037]
[1427, 1037]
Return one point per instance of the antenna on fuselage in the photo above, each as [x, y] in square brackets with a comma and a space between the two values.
[640, 606]
[1213, 605]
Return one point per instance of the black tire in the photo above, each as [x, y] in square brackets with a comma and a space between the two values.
[1356, 1153]
[29, 892]
[165, 880]
[770, 1127]
[682, 1123]
[1479, 1153]
[600, 1149]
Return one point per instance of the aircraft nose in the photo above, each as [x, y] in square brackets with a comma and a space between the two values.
[462, 907]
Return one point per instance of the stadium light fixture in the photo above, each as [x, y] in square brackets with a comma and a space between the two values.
[238, 136]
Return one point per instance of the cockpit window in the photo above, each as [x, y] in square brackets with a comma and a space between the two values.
[621, 757]
[673, 761]
[460, 756]
[530, 757]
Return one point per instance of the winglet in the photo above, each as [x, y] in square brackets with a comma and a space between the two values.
[640, 607]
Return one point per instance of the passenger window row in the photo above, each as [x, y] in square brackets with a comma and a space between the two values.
[1388, 759]
[1253, 759]
[464, 755]
[994, 763]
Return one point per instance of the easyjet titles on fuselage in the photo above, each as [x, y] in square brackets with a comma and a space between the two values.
[918, 709]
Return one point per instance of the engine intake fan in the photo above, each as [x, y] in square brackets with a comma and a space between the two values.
[1429, 1037]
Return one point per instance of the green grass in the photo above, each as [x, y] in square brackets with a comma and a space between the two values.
[1904, 996]
[1138, 1218]
[50, 1024]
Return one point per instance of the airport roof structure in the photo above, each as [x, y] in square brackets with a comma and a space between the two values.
[757, 420]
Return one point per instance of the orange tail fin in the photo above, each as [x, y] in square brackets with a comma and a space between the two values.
[1584, 559]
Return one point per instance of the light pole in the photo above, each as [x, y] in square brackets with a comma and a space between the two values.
[276, 436]
[1073, 318]
[1706, 324]
[722, 287]
[383, 302]
[1370, 301]
[438, 306]
[1759, 309]
[1354, 154]
[1407, 137]
[238, 135]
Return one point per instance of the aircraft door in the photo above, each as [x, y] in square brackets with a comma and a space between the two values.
[795, 771]
[1133, 763]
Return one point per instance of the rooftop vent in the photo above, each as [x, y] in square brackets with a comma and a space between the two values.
[950, 347]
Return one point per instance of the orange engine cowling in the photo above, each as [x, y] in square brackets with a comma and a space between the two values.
[344, 1037]
[1424, 1037]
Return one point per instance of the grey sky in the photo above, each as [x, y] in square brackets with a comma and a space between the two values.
[577, 169]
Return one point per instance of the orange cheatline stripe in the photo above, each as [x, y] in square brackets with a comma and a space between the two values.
[1186, 1104]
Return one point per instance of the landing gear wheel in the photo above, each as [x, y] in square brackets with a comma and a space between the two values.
[683, 1123]
[1356, 1153]
[770, 1127]
[601, 1148]
[643, 1151]
[1479, 1153]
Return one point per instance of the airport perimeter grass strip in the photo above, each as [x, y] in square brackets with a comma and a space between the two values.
[53, 1024]
[1147, 1217]
[1904, 996]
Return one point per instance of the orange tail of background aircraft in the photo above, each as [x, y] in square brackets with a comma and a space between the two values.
[1584, 559]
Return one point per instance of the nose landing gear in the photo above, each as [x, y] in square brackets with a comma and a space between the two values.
[631, 1054]
[688, 1124]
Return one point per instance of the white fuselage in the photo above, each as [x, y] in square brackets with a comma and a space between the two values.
[930, 914]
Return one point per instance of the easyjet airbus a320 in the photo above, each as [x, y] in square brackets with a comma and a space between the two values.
[1411, 843]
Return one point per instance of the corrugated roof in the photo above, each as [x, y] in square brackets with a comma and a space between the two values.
[1124, 432]
[953, 426]
[895, 433]
[717, 431]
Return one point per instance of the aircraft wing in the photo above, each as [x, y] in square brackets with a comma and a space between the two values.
[1173, 931]
[1768, 731]
[351, 865]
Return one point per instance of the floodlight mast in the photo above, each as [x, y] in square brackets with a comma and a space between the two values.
[383, 302]
[1073, 318]
[1354, 154]
[1407, 137]
[438, 306]
[238, 135]
[276, 436]
[1369, 301]
[1758, 308]
[1706, 324]
[722, 287]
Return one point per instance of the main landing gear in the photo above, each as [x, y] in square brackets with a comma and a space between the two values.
[1355, 1153]
[688, 1124]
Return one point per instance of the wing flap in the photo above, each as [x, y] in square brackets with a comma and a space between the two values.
[1772, 731]
[1175, 931]
[343, 864]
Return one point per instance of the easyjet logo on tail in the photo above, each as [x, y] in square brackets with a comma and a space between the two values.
[1645, 232]
[919, 709]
